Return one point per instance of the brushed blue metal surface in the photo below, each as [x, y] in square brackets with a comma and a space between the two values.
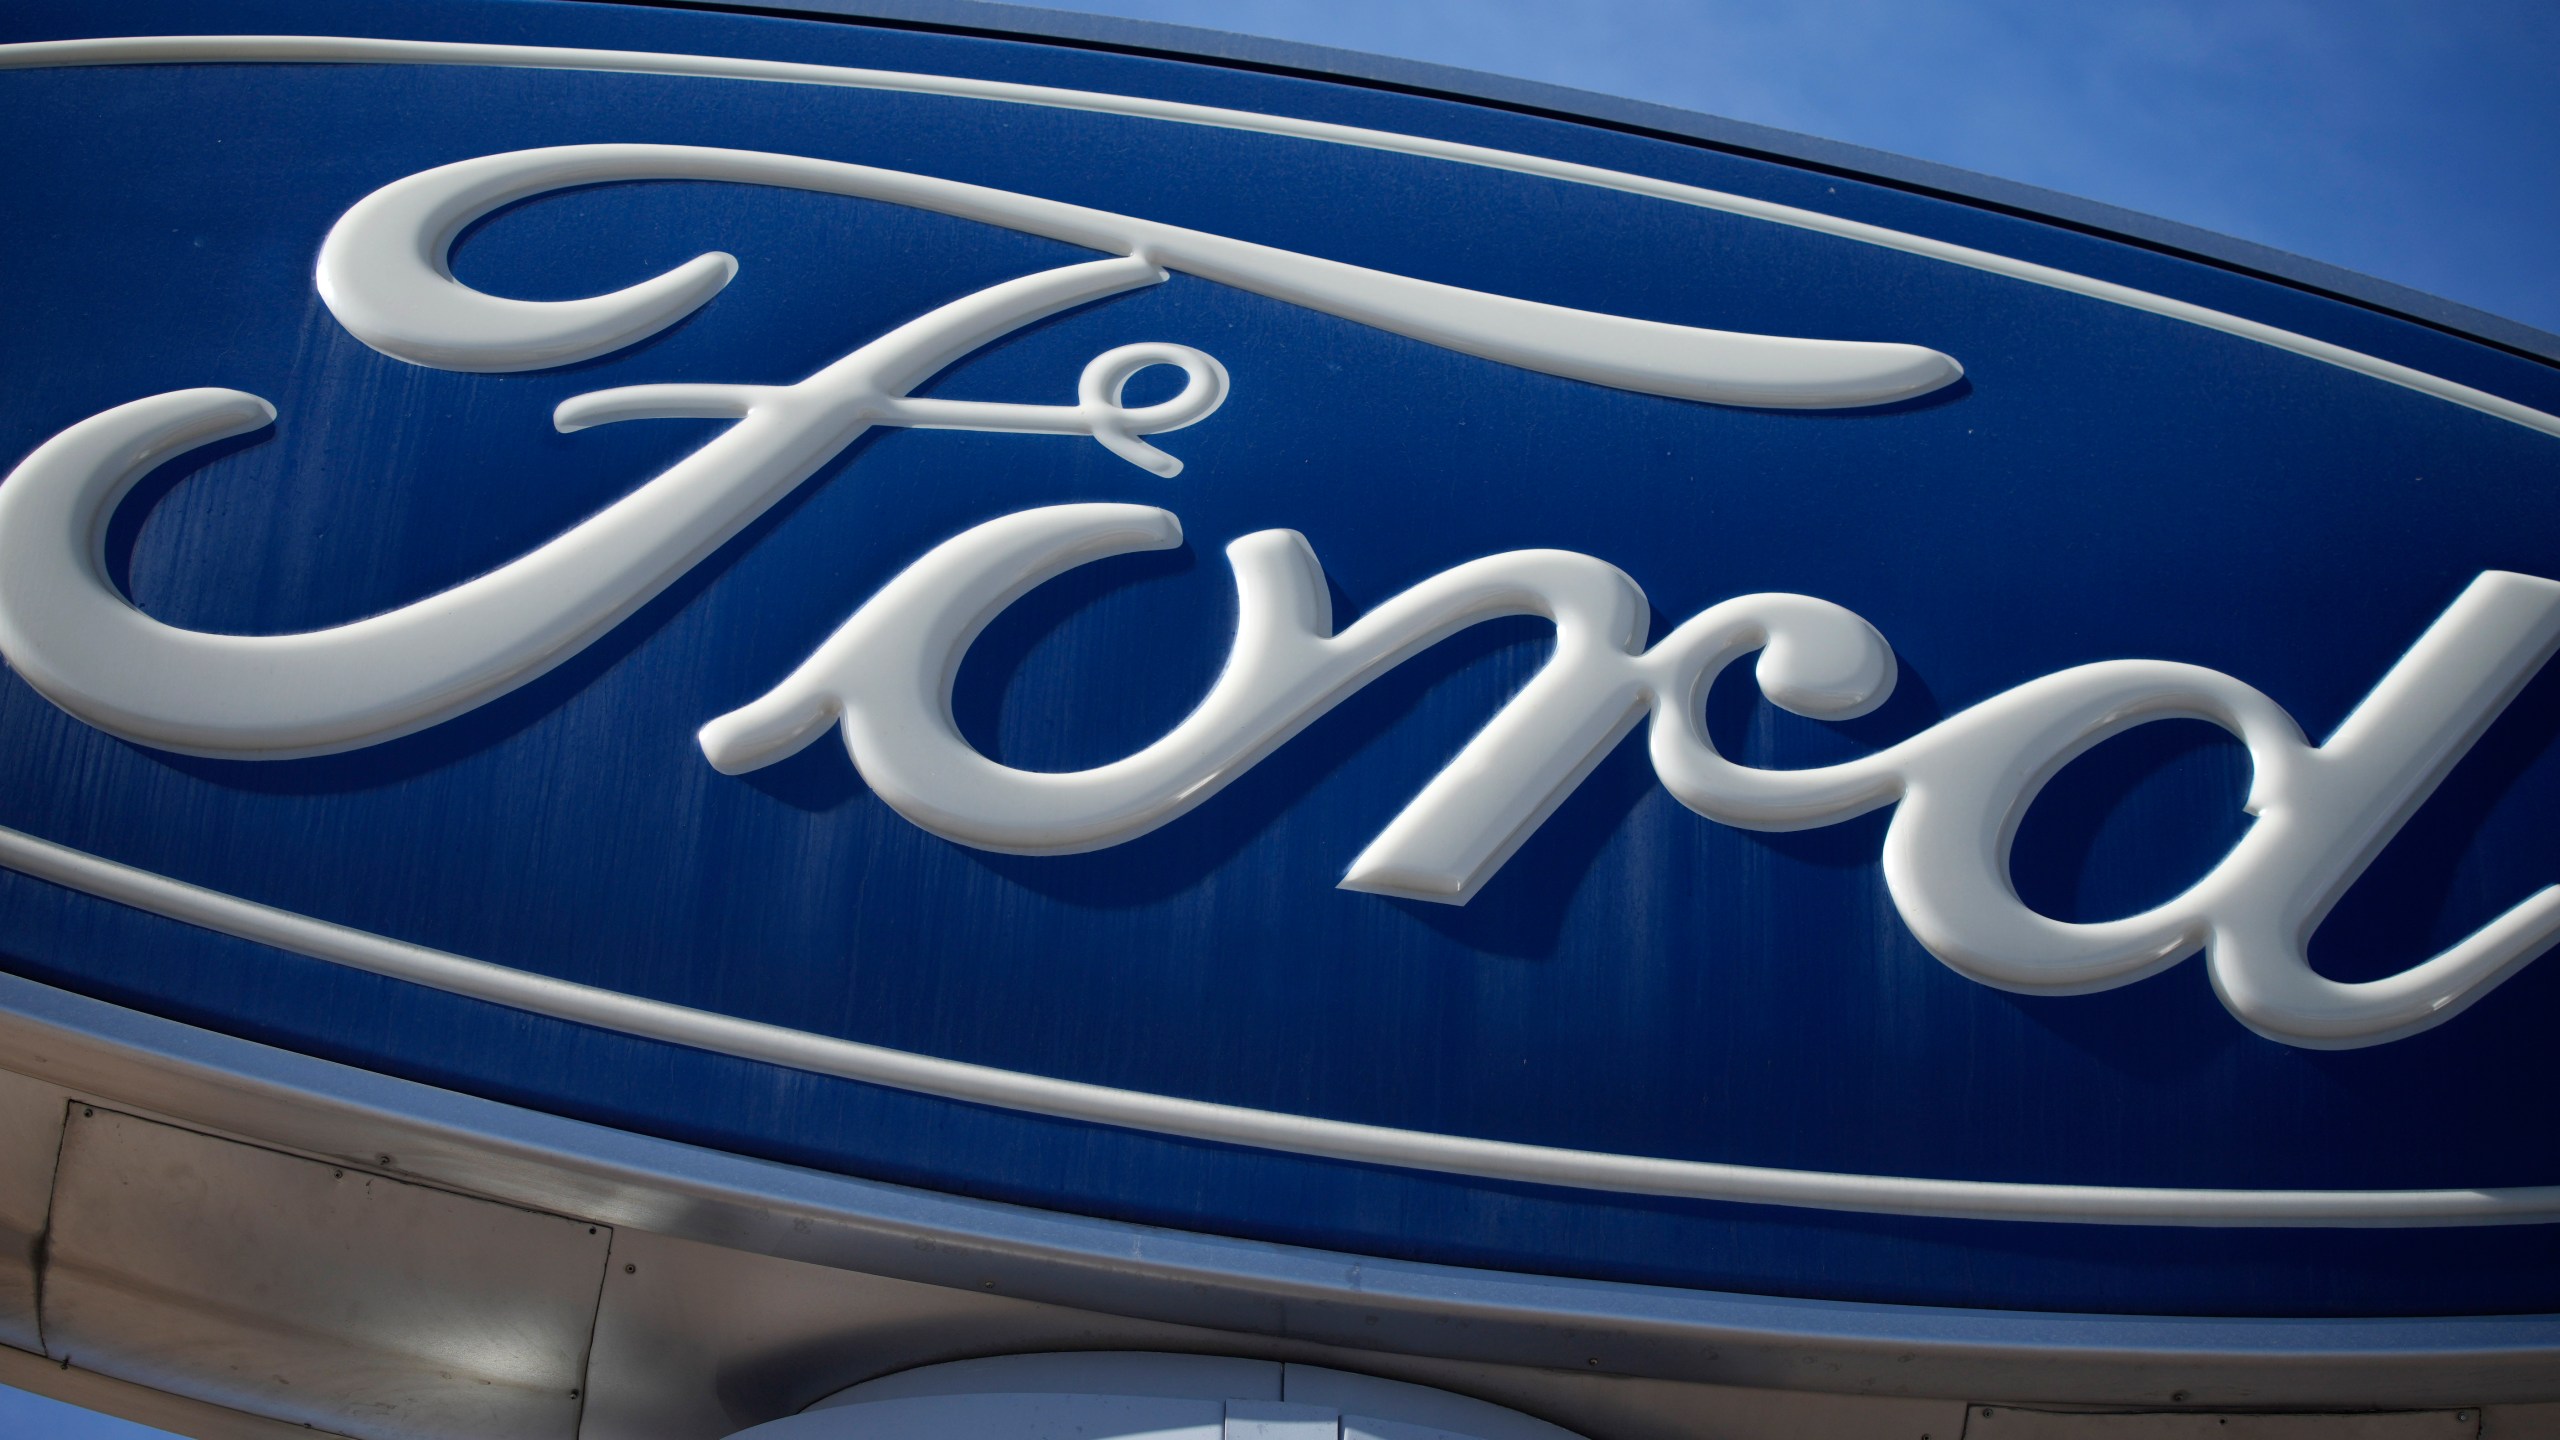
[2104, 484]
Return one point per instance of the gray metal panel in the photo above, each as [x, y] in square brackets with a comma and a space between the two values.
[694, 1341]
[1081, 1372]
[1989, 1422]
[140, 1404]
[1406, 1404]
[1418, 1322]
[1278, 1420]
[1255, 1392]
[30, 1133]
[2519, 1422]
[311, 1292]
[1008, 1417]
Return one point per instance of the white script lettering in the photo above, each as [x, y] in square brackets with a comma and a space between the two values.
[1959, 788]
[383, 272]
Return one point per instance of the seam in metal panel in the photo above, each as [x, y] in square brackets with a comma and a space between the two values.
[570, 1167]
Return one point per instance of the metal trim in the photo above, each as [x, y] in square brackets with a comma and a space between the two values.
[524, 1157]
[178, 1414]
[1281, 1131]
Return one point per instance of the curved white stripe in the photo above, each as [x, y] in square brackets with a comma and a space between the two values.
[322, 49]
[1261, 1129]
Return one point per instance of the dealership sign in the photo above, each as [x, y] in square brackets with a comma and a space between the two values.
[1733, 697]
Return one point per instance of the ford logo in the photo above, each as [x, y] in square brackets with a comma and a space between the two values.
[1634, 748]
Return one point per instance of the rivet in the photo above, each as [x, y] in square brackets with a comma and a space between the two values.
[630, 1269]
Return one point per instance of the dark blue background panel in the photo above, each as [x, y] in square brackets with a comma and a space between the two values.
[2104, 484]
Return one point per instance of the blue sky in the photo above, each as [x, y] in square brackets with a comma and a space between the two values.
[32, 1417]
[2418, 142]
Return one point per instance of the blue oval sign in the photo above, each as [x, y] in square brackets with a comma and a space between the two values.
[1283, 660]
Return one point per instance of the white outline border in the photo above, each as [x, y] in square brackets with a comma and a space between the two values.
[339, 50]
[1170, 1115]
[1238, 1125]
